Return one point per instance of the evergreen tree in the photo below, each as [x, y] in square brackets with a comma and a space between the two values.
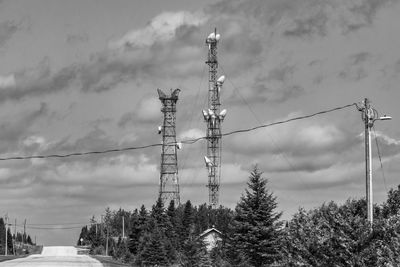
[171, 234]
[159, 219]
[187, 221]
[19, 237]
[29, 240]
[9, 242]
[202, 219]
[194, 253]
[2, 236]
[255, 227]
[135, 233]
[84, 235]
[154, 251]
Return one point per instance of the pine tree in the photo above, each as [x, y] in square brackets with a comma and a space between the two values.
[255, 227]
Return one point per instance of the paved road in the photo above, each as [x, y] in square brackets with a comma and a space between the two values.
[55, 256]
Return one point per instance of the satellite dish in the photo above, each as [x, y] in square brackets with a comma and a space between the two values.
[159, 129]
[210, 112]
[218, 36]
[207, 161]
[179, 145]
[221, 80]
[223, 113]
[205, 114]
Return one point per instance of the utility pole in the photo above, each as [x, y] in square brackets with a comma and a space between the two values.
[108, 230]
[24, 237]
[6, 250]
[123, 227]
[15, 234]
[213, 117]
[369, 116]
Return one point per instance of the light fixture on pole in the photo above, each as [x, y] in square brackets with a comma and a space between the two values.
[369, 115]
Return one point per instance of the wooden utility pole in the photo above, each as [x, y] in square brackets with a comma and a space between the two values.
[24, 237]
[15, 234]
[6, 250]
[108, 230]
[123, 227]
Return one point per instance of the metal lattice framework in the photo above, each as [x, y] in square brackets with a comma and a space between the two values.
[213, 117]
[169, 182]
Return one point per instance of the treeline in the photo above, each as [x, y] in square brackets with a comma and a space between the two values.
[252, 235]
[13, 242]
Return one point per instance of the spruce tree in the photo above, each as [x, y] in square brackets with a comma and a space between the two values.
[9, 242]
[187, 221]
[154, 253]
[256, 227]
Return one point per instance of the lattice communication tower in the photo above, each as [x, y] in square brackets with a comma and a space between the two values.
[169, 181]
[213, 117]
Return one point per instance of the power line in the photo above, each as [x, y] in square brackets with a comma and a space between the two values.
[79, 153]
[280, 151]
[380, 159]
[188, 141]
[273, 123]
[69, 223]
[55, 228]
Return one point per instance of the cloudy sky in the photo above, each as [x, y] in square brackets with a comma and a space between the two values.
[79, 76]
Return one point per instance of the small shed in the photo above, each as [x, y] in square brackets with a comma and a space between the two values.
[210, 238]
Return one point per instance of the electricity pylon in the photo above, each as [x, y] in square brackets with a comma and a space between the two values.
[169, 182]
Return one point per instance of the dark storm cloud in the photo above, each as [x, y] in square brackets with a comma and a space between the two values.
[7, 30]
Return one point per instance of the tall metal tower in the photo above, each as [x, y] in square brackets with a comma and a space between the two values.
[169, 182]
[213, 117]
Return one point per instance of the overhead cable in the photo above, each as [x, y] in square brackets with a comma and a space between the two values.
[188, 141]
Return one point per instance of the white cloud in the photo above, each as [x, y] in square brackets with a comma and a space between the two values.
[160, 29]
[149, 109]
[7, 81]
[387, 139]
[191, 134]
[34, 140]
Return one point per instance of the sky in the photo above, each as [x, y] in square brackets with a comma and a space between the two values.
[79, 76]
